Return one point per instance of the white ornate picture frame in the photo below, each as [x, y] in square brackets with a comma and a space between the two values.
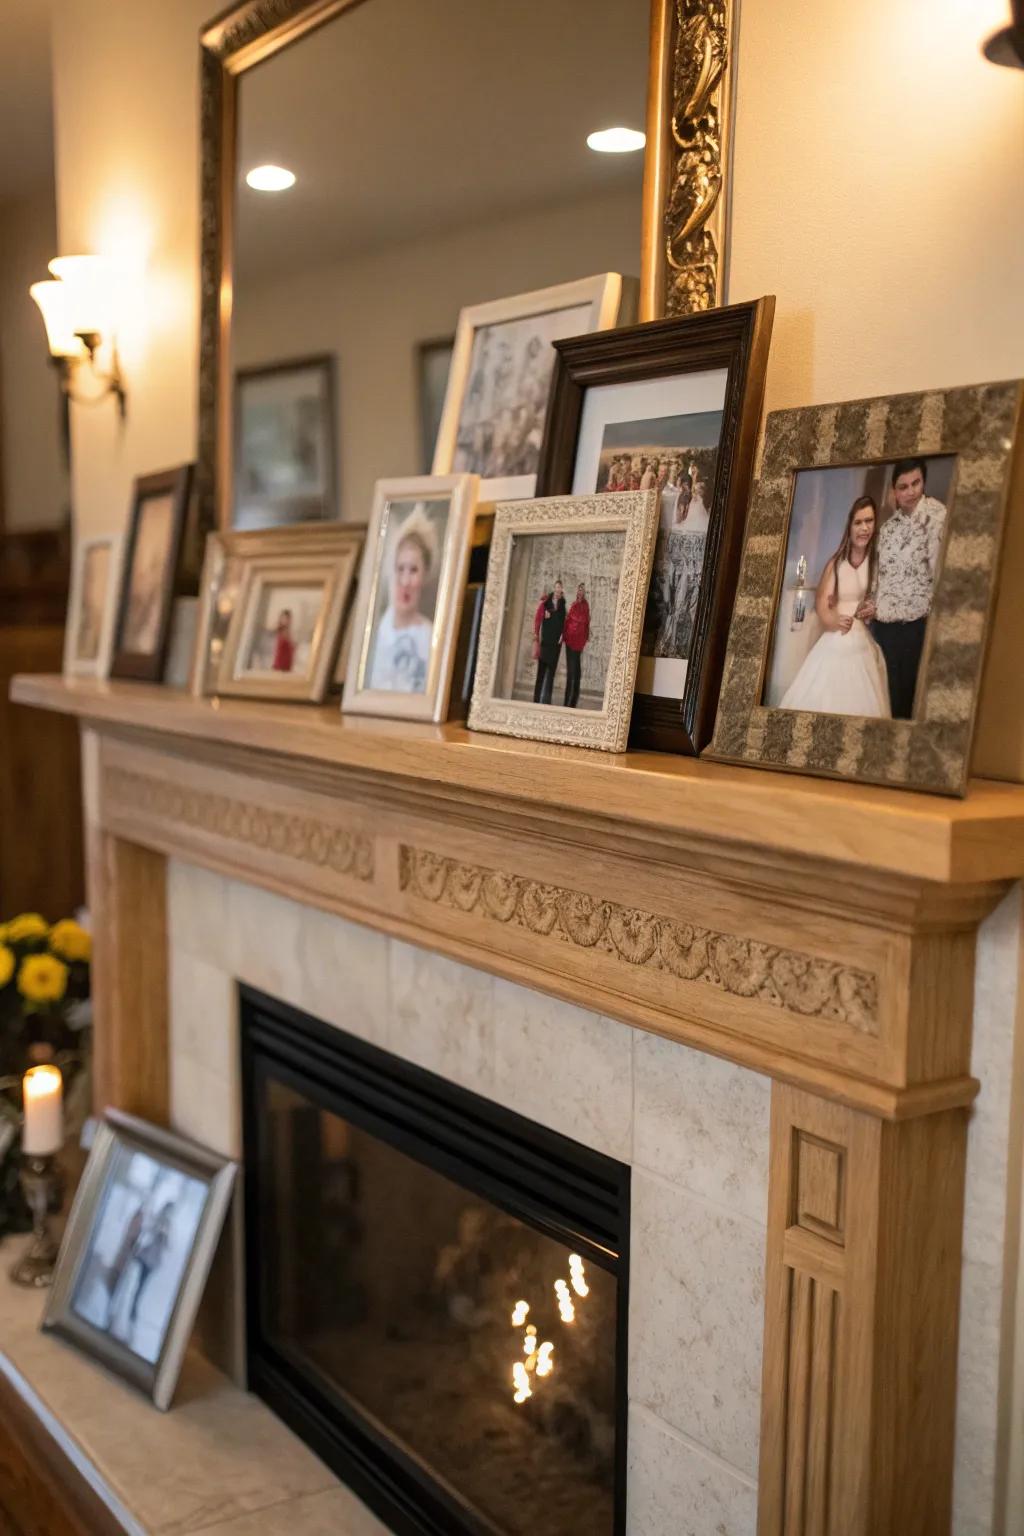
[635, 515]
[602, 301]
[97, 663]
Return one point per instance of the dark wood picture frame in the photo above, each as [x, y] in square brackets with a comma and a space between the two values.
[736, 339]
[148, 666]
[326, 363]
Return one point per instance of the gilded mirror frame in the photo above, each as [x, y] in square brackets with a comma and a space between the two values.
[684, 194]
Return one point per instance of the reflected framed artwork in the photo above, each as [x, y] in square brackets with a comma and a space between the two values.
[137, 1251]
[152, 553]
[563, 615]
[411, 590]
[867, 586]
[89, 633]
[671, 406]
[285, 426]
[500, 378]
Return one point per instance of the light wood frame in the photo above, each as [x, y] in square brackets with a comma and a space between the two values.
[633, 513]
[98, 665]
[460, 493]
[119, 1131]
[685, 197]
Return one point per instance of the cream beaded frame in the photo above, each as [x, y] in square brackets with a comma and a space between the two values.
[979, 426]
[636, 514]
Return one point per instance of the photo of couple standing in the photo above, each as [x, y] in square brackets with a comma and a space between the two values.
[857, 649]
[558, 629]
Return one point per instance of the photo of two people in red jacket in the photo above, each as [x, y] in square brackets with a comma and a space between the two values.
[558, 629]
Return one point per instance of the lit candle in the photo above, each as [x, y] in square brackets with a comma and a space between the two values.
[43, 1133]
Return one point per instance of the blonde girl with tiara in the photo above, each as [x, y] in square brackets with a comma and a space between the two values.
[401, 651]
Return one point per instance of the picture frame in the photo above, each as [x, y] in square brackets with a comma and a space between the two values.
[401, 663]
[494, 429]
[699, 377]
[433, 366]
[622, 530]
[92, 606]
[224, 562]
[285, 457]
[137, 1251]
[153, 543]
[977, 427]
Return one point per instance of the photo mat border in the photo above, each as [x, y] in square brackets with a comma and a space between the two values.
[978, 424]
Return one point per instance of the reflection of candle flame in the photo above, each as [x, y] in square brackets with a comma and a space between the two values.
[579, 1284]
[521, 1382]
[519, 1313]
[545, 1364]
[566, 1310]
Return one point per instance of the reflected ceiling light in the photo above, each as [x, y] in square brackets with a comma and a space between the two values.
[270, 178]
[616, 141]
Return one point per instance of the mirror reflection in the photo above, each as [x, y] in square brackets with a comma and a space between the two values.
[419, 183]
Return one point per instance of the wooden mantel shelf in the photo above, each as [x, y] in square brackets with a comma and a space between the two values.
[923, 837]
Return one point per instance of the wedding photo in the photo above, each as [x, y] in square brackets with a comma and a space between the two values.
[147, 575]
[501, 422]
[402, 627]
[556, 643]
[141, 1240]
[863, 555]
[284, 628]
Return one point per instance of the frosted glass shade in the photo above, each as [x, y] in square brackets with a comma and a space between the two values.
[53, 299]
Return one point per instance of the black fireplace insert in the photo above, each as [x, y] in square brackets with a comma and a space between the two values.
[436, 1288]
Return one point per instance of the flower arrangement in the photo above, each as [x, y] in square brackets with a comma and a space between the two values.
[44, 1016]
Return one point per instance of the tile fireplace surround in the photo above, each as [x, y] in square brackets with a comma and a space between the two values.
[758, 991]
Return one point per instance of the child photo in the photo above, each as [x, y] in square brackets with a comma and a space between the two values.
[863, 555]
[403, 624]
[284, 629]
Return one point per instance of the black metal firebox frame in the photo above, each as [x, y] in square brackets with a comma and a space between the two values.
[572, 1194]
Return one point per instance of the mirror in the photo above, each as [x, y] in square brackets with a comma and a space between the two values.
[440, 162]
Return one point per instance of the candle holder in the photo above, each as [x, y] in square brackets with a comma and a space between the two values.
[39, 1183]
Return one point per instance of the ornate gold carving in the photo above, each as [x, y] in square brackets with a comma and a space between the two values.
[784, 978]
[300, 837]
[695, 205]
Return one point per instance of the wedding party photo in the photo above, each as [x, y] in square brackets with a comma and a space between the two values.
[402, 626]
[284, 629]
[863, 556]
[563, 589]
[141, 1240]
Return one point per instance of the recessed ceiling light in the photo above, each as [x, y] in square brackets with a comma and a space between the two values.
[270, 178]
[616, 141]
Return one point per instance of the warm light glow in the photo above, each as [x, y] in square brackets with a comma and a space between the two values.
[43, 1091]
[616, 141]
[576, 1275]
[53, 300]
[519, 1313]
[545, 1364]
[270, 178]
[566, 1310]
[521, 1382]
[90, 283]
[42, 1082]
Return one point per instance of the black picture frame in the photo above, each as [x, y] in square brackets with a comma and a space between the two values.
[735, 338]
[148, 666]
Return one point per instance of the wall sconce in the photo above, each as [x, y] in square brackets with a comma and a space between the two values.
[1007, 45]
[77, 309]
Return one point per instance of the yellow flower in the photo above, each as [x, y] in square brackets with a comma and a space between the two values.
[29, 925]
[70, 940]
[6, 964]
[42, 979]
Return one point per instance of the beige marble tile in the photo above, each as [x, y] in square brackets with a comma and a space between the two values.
[205, 1105]
[976, 1459]
[696, 1309]
[676, 1490]
[263, 941]
[197, 911]
[204, 1013]
[344, 974]
[441, 1016]
[702, 1123]
[566, 1067]
[335, 1512]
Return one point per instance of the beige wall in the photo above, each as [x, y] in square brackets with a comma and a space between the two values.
[372, 311]
[34, 491]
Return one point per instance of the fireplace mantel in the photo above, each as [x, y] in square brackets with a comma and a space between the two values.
[822, 934]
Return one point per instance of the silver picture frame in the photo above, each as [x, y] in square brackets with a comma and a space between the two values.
[67, 1315]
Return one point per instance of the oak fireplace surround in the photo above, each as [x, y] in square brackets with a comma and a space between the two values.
[820, 934]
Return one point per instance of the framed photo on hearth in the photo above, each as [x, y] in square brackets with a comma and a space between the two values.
[137, 1251]
[412, 586]
[672, 406]
[153, 543]
[499, 380]
[867, 586]
[563, 614]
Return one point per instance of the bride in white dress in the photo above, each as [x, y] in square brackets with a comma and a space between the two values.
[844, 673]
